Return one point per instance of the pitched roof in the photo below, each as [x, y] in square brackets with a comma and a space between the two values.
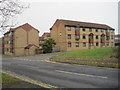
[29, 46]
[41, 38]
[46, 34]
[84, 24]
[25, 26]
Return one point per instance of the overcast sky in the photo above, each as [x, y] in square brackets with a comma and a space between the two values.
[42, 15]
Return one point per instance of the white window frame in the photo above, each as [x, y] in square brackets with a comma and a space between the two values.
[68, 28]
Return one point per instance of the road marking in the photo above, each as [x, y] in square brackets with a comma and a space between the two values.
[30, 80]
[80, 74]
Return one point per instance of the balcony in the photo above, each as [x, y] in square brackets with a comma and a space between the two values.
[102, 40]
[77, 32]
[91, 40]
[77, 38]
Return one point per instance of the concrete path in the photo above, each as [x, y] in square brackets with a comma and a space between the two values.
[40, 57]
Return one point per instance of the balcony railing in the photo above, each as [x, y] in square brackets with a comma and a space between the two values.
[102, 40]
[77, 32]
[77, 38]
[91, 40]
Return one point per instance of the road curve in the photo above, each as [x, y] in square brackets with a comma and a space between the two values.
[62, 75]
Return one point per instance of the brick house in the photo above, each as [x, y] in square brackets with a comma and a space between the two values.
[74, 35]
[23, 40]
[45, 36]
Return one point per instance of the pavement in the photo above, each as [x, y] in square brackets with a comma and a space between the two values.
[60, 75]
[41, 57]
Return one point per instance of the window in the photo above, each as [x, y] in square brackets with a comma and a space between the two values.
[90, 29]
[102, 37]
[11, 50]
[69, 36]
[91, 36]
[96, 30]
[97, 44]
[7, 49]
[107, 38]
[112, 43]
[69, 44]
[68, 28]
[96, 36]
[112, 37]
[92, 44]
[102, 30]
[107, 44]
[108, 30]
[60, 34]
[77, 44]
[77, 37]
[11, 33]
[84, 37]
[83, 29]
[84, 44]
[11, 41]
[102, 44]
[7, 42]
[112, 31]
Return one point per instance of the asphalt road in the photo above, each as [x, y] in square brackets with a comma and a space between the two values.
[62, 75]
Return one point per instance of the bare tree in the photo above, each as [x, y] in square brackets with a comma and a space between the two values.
[8, 10]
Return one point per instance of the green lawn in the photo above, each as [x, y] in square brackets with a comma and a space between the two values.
[105, 57]
[98, 53]
[90, 63]
[7, 79]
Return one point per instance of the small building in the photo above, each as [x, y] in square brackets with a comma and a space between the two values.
[45, 36]
[74, 35]
[42, 39]
[23, 40]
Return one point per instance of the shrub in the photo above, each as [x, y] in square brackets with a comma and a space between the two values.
[47, 46]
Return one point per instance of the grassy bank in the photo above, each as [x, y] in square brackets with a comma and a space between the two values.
[105, 57]
[93, 54]
[9, 81]
[89, 63]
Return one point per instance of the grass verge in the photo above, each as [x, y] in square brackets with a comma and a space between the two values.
[89, 63]
[9, 81]
[103, 57]
[93, 54]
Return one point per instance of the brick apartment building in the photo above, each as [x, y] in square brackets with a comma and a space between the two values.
[45, 36]
[74, 35]
[23, 40]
